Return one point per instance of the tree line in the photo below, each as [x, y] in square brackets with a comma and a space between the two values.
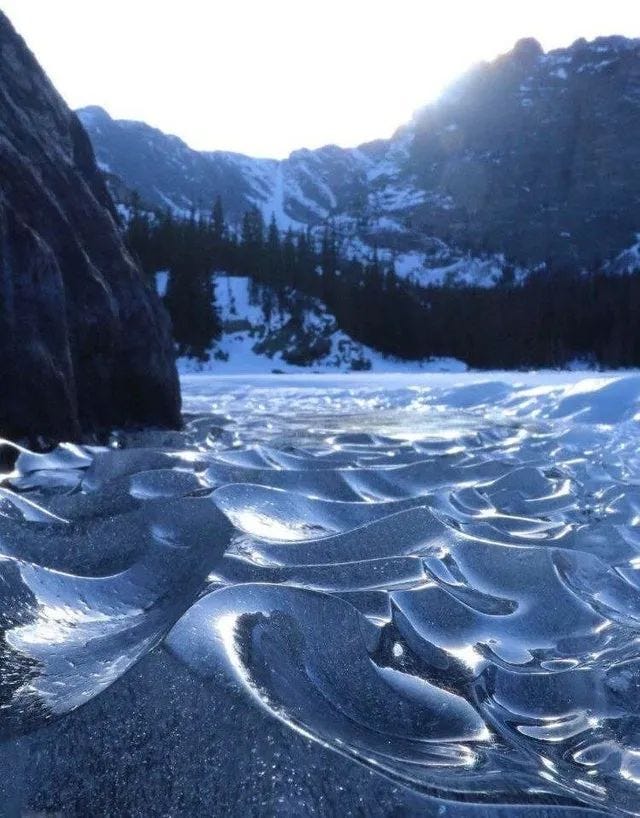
[555, 316]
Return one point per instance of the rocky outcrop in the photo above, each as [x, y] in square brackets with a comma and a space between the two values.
[84, 343]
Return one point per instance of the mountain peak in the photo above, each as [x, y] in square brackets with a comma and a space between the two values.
[93, 115]
[527, 49]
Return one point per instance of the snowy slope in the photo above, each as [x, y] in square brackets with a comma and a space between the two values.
[251, 344]
[628, 261]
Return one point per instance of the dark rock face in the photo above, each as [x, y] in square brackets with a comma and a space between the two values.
[539, 153]
[84, 343]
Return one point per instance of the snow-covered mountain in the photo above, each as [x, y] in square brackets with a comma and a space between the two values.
[529, 159]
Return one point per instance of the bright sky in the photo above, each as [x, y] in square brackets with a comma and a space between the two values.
[265, 77]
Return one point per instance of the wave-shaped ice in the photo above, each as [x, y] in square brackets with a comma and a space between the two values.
[435, 576]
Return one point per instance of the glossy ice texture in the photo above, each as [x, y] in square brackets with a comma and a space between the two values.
[435, 576]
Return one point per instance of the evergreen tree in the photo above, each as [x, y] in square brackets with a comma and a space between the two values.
[218, 226]
[190, 302]
[252, 243]
[274, 268]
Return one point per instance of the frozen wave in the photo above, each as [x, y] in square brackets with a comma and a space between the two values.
[435, 576]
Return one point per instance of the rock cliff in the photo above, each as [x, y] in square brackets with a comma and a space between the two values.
[84, 343]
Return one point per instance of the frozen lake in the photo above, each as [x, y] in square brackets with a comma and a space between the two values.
[332, 595]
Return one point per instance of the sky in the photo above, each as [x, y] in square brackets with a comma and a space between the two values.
[266, 77]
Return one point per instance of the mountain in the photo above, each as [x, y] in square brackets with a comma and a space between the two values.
[84, 342]
[526, 160]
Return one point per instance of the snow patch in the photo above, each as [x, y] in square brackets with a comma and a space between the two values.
[246, 329]
[627, 262]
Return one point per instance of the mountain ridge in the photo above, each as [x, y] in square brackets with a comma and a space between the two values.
[524, 161]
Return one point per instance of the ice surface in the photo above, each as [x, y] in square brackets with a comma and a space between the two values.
[433, 578]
